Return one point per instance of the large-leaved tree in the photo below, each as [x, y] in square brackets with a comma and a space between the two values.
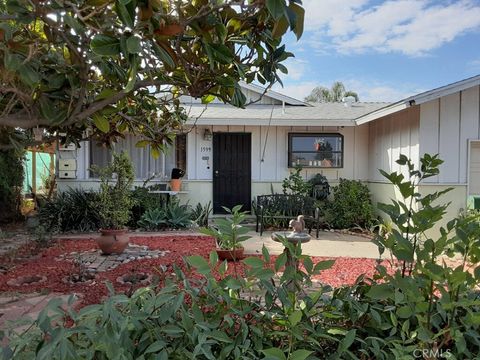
[106, 67]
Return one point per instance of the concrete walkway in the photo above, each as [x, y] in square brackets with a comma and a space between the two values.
[328, 244]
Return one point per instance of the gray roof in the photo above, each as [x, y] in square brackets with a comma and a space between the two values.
[322, 114]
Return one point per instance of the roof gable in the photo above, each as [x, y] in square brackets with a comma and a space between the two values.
[420, 99]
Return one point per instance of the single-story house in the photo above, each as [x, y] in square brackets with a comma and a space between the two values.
[230, 155]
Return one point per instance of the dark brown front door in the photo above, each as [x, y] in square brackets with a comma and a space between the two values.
[232, 165]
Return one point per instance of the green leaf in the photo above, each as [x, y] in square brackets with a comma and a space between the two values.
[207, 99]
[274, 354]
[133, 45]
[101, 123]
[220, 52]
[299, 19]
[380, 292]
[199, 263]
[300, 354]
[404, 312]
[295, 317]
[155, 347]
[163, 55]
[142, 143]
[323, 265]
[213, 258]
[254, 262]
[28, 75]
[280, 261]
[276, 8]
[12, 62]
[105, 45]
[280, 28]
[348, 339]
[126, 12]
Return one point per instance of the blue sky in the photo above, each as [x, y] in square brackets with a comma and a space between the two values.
[384, 50]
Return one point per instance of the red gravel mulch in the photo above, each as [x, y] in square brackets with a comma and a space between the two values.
[344, 271]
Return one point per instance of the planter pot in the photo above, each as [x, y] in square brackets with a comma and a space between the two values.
[175, 184]
[112, 241]
[230, 255]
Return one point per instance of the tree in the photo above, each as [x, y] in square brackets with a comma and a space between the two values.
[335, 94]
[105, 67]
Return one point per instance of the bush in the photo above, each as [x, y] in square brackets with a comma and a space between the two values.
[295, 184]
[11, 182]
[71, 210]
[351, 206]
[422, 308]
[173, 215]
[114, 200]
[143, 201]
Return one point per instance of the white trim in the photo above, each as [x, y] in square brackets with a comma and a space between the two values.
[274, 122]
[381, 113]
[420, 99]
[470, 141]
[273, 94]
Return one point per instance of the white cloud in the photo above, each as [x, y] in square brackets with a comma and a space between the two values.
[296, 90]
[296, 68]
[412, 27]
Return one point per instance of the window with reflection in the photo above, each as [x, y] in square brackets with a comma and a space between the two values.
[315, 150]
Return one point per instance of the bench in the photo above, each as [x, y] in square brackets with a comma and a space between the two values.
[287, 207]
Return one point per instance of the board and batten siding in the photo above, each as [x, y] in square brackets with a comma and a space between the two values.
[270, 152]
[389, 137]
[446, 126]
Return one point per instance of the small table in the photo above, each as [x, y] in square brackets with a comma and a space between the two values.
[168, 193]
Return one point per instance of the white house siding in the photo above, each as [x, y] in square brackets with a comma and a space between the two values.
[389, 137]
[270, 156]
[446, 126]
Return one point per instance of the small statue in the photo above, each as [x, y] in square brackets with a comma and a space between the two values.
[298, 225]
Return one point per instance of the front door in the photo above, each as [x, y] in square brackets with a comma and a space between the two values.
[232, 165]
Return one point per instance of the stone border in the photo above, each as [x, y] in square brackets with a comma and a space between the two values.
[24, 280]
[147, 280]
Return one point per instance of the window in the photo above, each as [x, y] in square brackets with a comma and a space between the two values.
[145, 165]
[315, 150]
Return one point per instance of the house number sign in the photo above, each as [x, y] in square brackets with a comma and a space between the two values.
[205, 149]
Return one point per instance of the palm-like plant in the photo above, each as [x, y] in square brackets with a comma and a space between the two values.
[335, 94]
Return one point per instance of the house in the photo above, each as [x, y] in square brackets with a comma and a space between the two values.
[231, 155]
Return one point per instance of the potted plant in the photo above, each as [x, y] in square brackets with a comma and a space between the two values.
[176, 181]
[114, 203]
[229, 234]
[318, 144]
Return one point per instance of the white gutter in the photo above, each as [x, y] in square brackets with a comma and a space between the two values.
[273, 122]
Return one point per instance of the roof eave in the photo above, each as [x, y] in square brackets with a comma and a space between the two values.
[272, 122]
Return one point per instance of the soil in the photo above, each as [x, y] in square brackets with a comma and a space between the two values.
[46, 262]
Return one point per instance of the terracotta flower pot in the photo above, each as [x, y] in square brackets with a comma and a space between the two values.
[230, 255]
[112, 241]
[175, 184]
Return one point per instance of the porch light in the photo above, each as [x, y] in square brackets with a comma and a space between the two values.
[207, 135]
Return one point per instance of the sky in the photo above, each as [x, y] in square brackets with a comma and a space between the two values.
[384, 50]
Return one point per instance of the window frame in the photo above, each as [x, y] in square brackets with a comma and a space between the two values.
[305, 134]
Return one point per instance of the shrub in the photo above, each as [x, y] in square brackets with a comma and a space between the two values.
[142, 201]
[295, 184]
[351, 206]
[201, 213]
[11, 182]
[115, 201]
[422, 308]
[173, 215]
[71, 210]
